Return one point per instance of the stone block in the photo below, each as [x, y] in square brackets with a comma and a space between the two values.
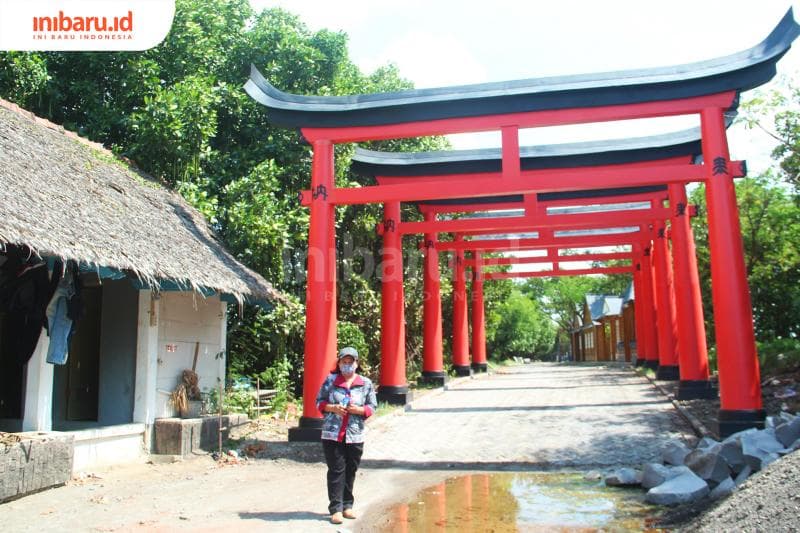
[742, 476]
[723, 490]
[706, 442]
[654, 474]
[674, 453]
[731, 452]
[708, 464]
[39, 461]
[757, 447]
[788, 432]
[624, 477]
[182, 437]
[682, 489]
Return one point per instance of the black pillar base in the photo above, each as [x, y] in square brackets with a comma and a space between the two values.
[480, 367]
[462, 371]
[668, 373]
[307, 430]
[432, 378]
[651, 363]
[639, 362]
[394, 395]
[696, 390]
[731, 421]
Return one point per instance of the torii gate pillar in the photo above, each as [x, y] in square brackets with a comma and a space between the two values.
[739, 377]
[667, 328]
[479, 363]
[432, 361]
[638, 314]
[320, 341]
[393, 386]
[692, 348]
[460, 324]
[649, 311]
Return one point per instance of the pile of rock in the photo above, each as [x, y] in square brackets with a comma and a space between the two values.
[712, 468]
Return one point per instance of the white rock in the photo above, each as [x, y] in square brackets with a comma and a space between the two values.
[674, 453]
[624, 477]
[682, 489]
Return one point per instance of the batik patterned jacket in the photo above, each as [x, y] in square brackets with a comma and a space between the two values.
[334, 390]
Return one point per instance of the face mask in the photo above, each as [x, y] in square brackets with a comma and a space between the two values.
[347, 369]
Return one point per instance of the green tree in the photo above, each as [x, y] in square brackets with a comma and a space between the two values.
[523, 330]
[775, 112]
[180, 113]
[770, 223]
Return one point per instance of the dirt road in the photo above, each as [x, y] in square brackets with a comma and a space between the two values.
[538, 416]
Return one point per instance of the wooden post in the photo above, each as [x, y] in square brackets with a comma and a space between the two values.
[219, 420]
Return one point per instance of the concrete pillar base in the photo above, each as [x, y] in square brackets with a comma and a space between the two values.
[668, 373]
[437, 379]
[696, 390]
[307, 430]
[480, 367]
[394, 395]
[462, 371]
[733, 421]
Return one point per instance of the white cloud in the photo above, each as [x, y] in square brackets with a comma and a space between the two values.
[430, 60]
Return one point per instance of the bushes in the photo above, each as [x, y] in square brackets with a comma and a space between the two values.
[778, 355]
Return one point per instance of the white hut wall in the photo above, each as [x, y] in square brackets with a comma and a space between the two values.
[187, 318]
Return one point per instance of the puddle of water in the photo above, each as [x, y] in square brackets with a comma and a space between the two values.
[524, 501]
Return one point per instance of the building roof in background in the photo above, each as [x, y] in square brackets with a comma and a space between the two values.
[628, 295]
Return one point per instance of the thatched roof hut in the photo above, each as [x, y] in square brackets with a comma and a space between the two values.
[66, 197]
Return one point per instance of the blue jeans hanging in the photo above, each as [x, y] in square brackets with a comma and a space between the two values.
[60, 325]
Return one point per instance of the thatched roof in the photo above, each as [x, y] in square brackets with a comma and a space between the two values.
[67, 197]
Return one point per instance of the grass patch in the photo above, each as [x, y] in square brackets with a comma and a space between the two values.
[384, 408]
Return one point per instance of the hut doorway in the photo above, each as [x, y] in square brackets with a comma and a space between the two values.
[12, 374]
[77, 382]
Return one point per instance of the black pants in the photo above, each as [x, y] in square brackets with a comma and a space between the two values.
[343, 460]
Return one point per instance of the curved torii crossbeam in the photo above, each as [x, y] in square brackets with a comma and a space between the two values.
[708, 89]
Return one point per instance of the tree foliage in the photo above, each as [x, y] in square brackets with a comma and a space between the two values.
[777, 113]
[523, 329]
[179, 112]
[770, 224]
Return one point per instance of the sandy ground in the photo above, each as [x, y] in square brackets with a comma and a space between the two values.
[530, 417]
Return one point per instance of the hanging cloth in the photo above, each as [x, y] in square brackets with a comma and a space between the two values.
[25, 293]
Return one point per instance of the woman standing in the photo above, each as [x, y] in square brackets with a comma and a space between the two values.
[346, 400]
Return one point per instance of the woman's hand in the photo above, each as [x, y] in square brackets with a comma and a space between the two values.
[337, 409]
[356, 410]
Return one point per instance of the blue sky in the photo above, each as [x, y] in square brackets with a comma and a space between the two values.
[446, 42]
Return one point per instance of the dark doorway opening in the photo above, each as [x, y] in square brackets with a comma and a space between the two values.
[76, 384]
[12, 374]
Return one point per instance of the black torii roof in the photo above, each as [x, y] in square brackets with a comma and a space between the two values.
[606, 152]
[568, 155]
[741, 71]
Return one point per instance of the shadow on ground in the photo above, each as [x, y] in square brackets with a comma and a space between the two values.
[284, 517]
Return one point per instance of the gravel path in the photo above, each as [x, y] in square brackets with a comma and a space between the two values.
[538, 416]
[768, 501]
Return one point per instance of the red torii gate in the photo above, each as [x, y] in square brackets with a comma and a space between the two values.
[459, 246]
[676, 148]
[706, 89]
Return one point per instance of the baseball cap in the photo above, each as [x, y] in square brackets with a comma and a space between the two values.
[349, 350]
